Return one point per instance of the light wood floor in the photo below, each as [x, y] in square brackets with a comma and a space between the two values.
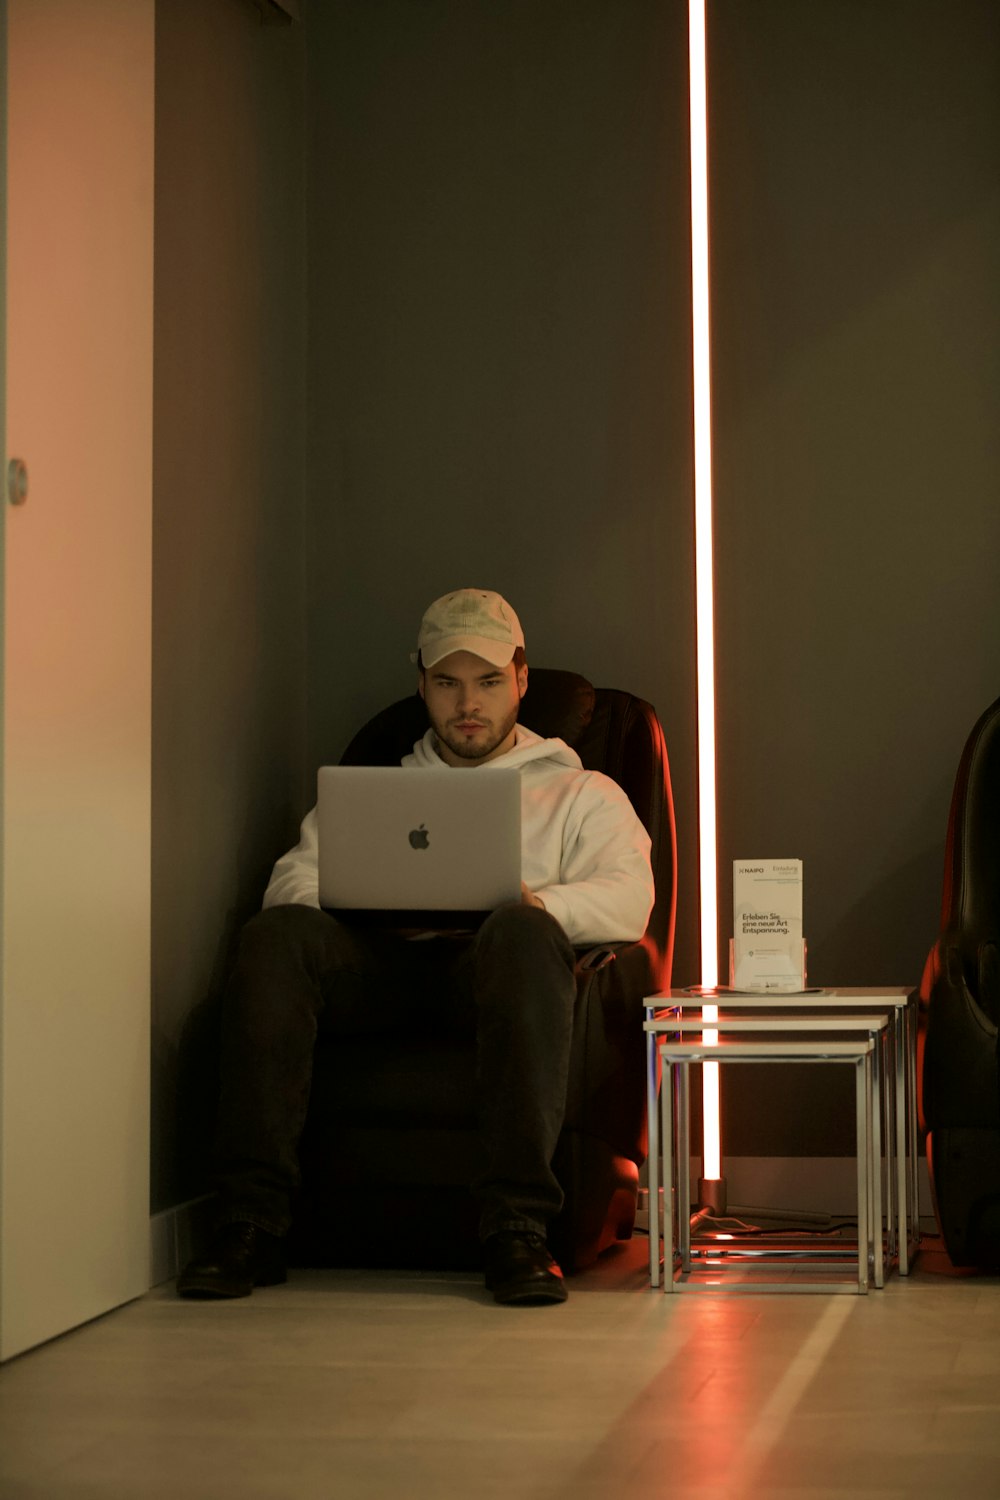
[363, 1385]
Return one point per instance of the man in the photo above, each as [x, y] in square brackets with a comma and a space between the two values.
[586, 879]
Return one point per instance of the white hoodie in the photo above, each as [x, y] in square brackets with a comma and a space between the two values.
[584, 852]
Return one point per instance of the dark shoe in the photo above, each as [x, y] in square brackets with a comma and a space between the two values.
[240, 1257]
[519, 1268]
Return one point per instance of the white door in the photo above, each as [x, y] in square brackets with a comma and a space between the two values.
[74, 995]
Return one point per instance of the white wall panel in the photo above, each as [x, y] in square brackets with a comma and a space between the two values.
[74, 1131]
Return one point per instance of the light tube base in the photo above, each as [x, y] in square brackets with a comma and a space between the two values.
[712, 1196]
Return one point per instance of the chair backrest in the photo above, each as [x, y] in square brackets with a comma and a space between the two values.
[611, 731]
[970, 916]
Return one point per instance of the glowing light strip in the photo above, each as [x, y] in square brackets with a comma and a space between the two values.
[704, 592]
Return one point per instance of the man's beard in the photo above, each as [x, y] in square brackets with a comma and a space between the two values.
[481, 746]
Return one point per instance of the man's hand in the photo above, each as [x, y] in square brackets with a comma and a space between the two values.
[528, 898]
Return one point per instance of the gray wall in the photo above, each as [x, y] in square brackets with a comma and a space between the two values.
[499, 393]
[228, 605]
[856, 240]
[499, 315]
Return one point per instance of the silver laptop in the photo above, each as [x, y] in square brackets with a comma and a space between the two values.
[414, 847]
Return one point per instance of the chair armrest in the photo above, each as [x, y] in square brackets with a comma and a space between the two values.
[598, 957]
[606, 1095]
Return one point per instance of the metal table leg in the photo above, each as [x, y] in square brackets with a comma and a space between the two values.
[900, 1040]
[653, 1156]
[892, 1208]
[667, 1147]
[874, 1070]
[683, 1167]
[862, 1098]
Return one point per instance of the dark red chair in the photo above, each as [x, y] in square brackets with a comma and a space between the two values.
[960, 1001]
[390, 1141]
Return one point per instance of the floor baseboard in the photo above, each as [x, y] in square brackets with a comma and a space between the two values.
[176, 1234]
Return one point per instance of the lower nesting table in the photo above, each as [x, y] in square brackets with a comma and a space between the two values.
[673, 1012]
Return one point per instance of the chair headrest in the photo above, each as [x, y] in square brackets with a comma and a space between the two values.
[972, 860]
[557, 704]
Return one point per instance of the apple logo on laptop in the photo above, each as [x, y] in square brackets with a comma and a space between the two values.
[419, 838]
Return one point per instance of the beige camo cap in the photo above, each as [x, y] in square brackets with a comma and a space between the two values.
[475, 620]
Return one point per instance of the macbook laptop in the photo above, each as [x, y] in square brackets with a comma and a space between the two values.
[407, 847]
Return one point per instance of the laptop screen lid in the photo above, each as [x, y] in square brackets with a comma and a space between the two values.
[412, 846]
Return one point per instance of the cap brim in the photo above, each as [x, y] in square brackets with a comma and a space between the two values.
[497, 653]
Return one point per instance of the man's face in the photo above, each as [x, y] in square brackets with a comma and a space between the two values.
[472, 707]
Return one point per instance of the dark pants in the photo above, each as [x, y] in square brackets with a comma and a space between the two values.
[300, 971]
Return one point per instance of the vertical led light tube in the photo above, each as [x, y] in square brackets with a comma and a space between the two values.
[704, 592]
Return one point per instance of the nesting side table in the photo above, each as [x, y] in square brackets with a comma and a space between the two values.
[679, 1012]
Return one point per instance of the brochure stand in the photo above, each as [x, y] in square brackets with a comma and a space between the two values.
[788, 978]
[767, 950]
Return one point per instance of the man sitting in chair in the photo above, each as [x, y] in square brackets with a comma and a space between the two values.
[586, 879]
